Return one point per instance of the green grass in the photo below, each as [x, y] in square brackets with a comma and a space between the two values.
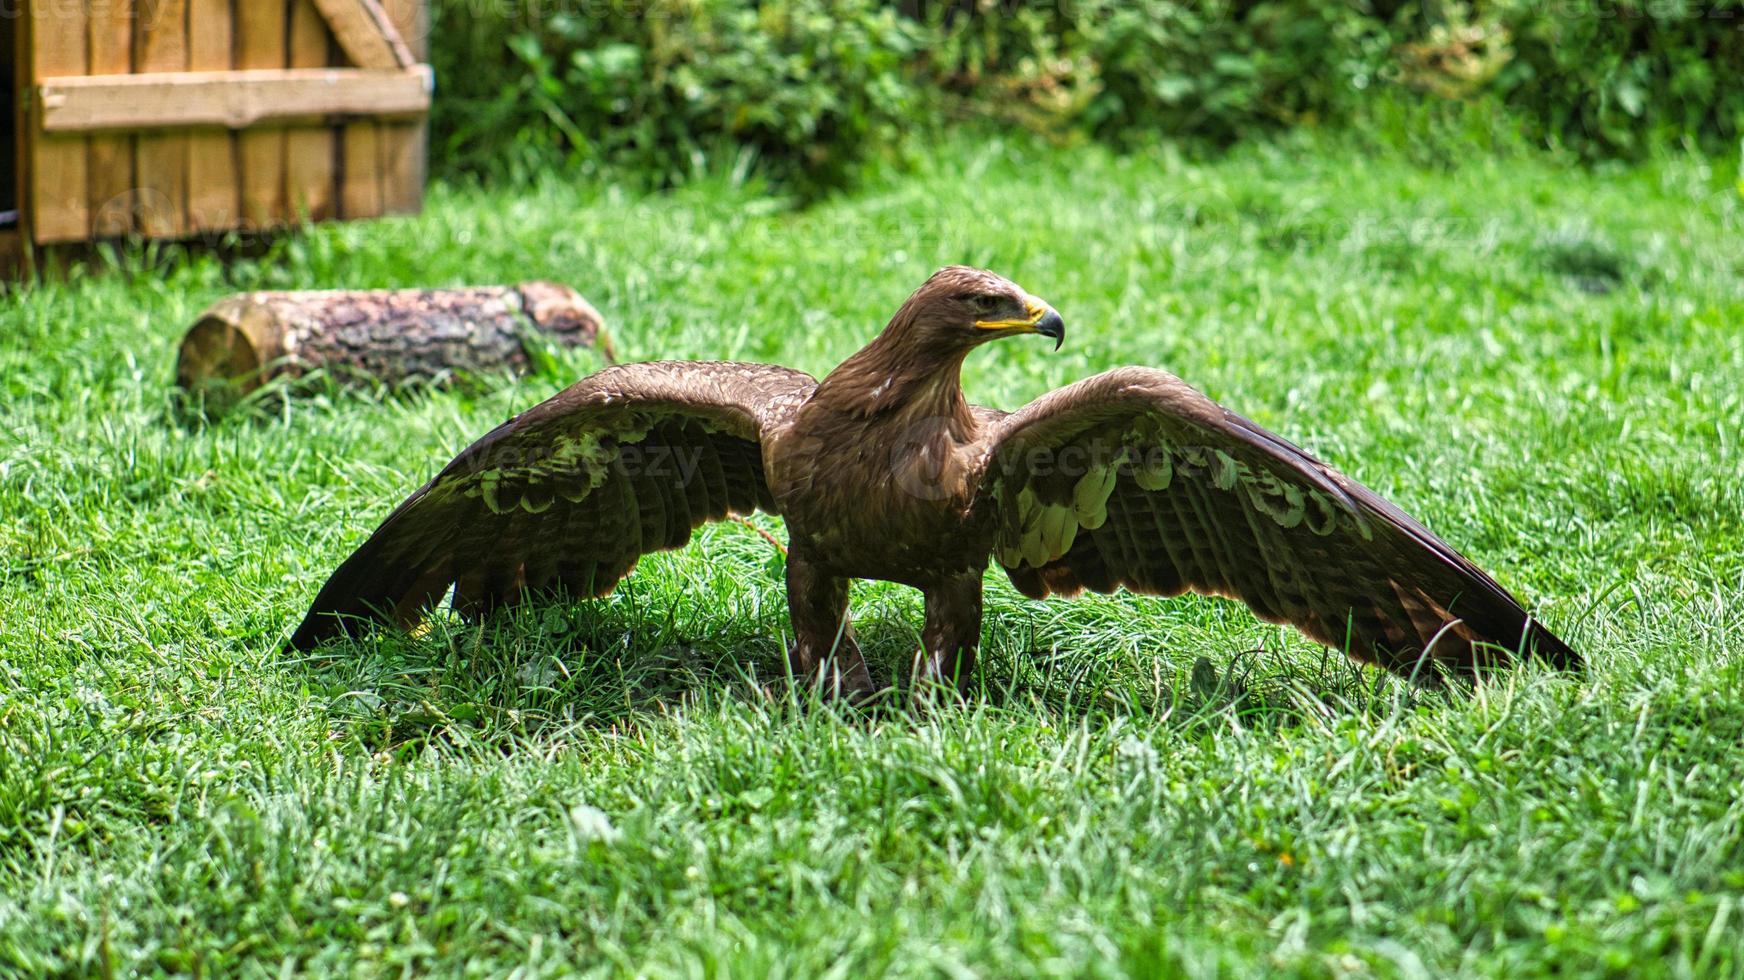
[1545, 364]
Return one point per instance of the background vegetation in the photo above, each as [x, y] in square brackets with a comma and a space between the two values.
[804, 91]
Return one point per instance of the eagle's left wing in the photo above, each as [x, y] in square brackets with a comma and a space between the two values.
[569, 494]
[1132, 478]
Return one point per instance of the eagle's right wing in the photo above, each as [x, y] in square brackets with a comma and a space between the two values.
[569, 494]
[1133, 479]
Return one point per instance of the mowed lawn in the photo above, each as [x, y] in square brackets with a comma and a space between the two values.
[1545, 364]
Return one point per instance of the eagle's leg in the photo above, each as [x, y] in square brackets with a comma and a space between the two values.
[951, 634]
[824, 650]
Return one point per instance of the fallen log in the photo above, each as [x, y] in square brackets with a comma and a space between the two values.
[392, 337]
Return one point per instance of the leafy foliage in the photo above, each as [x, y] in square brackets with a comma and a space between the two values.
[1220, 70]
[800, 89]
[1618, 78]
[803, 91]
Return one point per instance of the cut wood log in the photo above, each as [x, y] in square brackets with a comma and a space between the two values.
[380, 336]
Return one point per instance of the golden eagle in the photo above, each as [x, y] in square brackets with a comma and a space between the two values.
[883, 470]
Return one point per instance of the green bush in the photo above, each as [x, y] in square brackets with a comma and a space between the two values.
[804, 91]
[1616, 77]
[1121, 70]
[1225, 69]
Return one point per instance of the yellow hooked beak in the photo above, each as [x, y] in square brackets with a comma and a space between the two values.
[1040, 318]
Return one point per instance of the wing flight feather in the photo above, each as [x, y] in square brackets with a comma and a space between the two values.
[1133, 479]
[569, 494]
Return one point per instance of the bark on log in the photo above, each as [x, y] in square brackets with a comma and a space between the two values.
[383, 336]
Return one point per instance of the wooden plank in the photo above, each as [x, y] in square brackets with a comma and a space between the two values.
[111, 154]
[411, 19]
[404, 166]
[59, 208]
[360, 178]
[160, 160]
[404, 146]
[15, 252]
[311, 183]
[233, 99]
[15, 260]
[370, 40]
[260, 44]
[213, 196]
[365, 33]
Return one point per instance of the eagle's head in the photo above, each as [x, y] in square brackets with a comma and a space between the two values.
[961, 307]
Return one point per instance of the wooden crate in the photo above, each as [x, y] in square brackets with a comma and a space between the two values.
[185, 118]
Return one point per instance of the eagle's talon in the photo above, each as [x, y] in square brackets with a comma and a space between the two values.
[842, 677]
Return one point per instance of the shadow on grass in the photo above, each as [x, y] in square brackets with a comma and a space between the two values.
[1252, 690]
[536, 673]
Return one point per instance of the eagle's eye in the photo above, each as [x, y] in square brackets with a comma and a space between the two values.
[983, 303]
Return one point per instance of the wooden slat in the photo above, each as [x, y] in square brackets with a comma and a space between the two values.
[15, 261]
[365, 33]
[310, 181]
[213, 201]
[160, 160]
[370, 40]
[111, 154]
[59, 209]
[234, 99]
[360, 188]
[404, 147]
[260, 44]
[411, 19]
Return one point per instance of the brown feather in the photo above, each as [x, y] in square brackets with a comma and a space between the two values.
[644, 415]
[1379, 579]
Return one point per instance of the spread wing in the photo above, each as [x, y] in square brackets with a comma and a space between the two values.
[569, 494]
[1131, 478]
